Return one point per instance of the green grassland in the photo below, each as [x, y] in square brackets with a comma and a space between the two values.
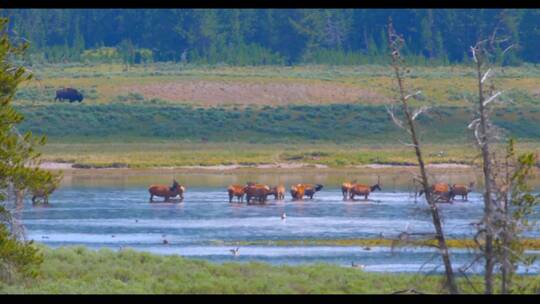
[83, 271]
[444, 85]
[531, 244]
[150, 154]
[175, 115]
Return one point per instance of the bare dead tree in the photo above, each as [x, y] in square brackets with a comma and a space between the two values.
[481, 128]
[485, 134]
[396, 43]
[498, 236]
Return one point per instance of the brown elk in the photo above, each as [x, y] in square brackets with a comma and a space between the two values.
[346, 188]
[365, 190]
[167, 192]
[298, 191]
[311, 189]
[43, 193]
[236, 190]
[278, 192]
[463, 190]
[258, 191]
[442, 192]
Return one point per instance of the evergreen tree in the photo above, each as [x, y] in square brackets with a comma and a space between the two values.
[19, 169]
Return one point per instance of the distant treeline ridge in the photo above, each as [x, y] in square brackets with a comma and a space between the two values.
[267, 36]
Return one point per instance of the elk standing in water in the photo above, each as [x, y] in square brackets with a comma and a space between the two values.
[298, 191]
[278, 192]
[311, 189]
[365, 190]
[463, 190]
[346, 188]
[236, 190]
[167, 192]
[258, 191]
[443, 192]
[43, 193]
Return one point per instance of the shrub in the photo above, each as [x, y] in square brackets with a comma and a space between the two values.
[18, 260]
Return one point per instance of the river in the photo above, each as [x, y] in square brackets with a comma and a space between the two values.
[113, 211]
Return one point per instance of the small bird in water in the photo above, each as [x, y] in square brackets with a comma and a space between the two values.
[44, 237]
[283, 216]
[359, 266]
[235, 251]
[408, 227]
[165, 242]
[112, 235]
[367, 248]
[136, 221]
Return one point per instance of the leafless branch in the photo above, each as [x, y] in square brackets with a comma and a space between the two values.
[473, 123]
[413, 95]
[420, 111]
[396, 120]
[486, 75]
[508, 48]
[490, 99]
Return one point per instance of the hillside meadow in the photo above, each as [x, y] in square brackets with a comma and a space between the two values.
[271, 85]
[157, 115]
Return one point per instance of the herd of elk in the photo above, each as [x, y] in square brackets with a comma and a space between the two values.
[259, 192]
[254, 192]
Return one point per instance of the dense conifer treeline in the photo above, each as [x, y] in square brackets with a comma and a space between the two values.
[267, 36]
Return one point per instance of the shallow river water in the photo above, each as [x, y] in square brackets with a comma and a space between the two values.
[115, 213]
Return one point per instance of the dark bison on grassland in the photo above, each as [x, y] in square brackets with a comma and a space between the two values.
[70, 94]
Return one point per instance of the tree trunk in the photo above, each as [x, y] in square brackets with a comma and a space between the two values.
[488, 205]
[443, 248]
[17, 228]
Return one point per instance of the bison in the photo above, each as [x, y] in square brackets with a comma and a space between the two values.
[69, 94]
[167, 192]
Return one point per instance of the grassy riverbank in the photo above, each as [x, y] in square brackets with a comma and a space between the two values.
[528, 244]
[80, 270]
[153, 154]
